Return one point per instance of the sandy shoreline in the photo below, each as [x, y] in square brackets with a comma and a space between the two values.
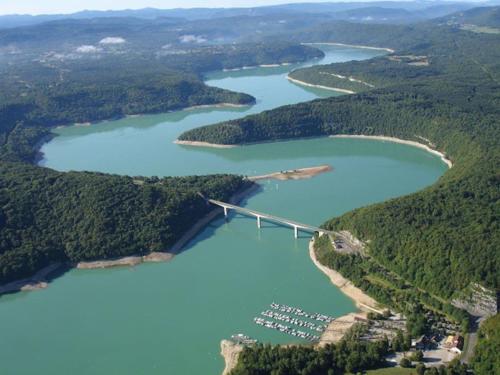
[294, 174]
[36, 282]
[363, 301]
[128, 261]
[257, 66]
[230, 351]
[202, 144]
[217, 105]
[339, 327]
[176, 248]
[319, 86]
[351, 45]
[443, 157]
[423, 146]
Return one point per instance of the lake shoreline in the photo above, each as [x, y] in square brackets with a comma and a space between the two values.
[40, 279]
[423, 146]
[302, 83]
[351, 45]
[420, 145]
[36, 282]
[277, 65]
[202, 144]
[230, 351]
[363, 301]
[40, 157]
[128, 261]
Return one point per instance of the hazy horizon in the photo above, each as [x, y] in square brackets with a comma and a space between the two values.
[35, 7]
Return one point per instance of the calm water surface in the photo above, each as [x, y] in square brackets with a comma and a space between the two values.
[169, 318]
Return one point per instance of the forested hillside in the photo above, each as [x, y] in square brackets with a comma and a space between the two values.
[487, 360]
[48, 216]
[446, 236]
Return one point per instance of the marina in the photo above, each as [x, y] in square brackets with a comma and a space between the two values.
[285, 329]
[302, 313]
[289, 319]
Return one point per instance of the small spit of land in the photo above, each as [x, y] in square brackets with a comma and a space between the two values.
[293, 174]
[37, 281]
[126, 261]
[230, 351]
[201, 144]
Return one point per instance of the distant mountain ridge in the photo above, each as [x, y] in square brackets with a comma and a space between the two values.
[408, 11]
[483, 16]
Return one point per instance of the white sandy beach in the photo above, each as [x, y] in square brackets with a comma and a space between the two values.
[202, 144]
[319, 86]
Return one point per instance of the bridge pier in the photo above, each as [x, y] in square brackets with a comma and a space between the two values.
[275, 219]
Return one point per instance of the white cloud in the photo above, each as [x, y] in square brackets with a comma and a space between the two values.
[112, 40]
[88, 49]
[191, 39]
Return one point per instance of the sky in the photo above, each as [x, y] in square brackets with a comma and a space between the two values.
[70, 6]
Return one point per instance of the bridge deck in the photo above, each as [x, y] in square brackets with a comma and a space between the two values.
[276, 219]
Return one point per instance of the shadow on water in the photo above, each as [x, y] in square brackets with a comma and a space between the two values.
[321, 147]
[145, 121]
[61, 270]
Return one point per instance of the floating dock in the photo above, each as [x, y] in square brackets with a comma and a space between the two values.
[285, 329]
[302, 313]
[240, 338]
[289, 319]
[277, 315]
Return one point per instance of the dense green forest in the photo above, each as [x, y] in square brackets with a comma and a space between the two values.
[348, 356]
[486, 360]
[447, 235]
[48, 216]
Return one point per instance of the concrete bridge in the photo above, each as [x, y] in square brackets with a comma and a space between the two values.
[263, 216]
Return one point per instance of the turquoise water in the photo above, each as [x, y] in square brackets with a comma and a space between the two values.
[169, 318]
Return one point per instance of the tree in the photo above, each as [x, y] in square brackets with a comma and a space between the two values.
[405, 362]
[418, 356]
